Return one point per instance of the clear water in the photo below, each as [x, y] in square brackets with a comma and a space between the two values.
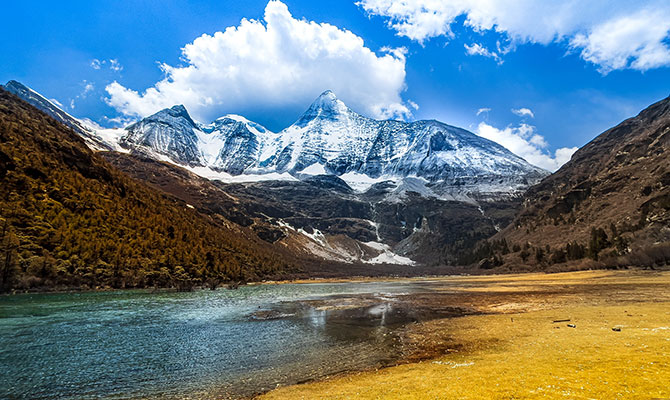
[137, 344]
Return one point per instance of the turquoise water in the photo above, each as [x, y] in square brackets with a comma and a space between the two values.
[224, 343]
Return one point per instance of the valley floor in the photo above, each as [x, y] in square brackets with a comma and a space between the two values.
[590, 334]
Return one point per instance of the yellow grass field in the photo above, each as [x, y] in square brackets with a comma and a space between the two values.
[518, 352]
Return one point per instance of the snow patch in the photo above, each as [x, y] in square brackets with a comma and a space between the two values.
[315, 169]
[209, 173]
[387, 256]
[361, 182]
[234, 117]
[316, 236]
[111, 137]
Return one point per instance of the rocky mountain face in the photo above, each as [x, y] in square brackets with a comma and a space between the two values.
[322, 216]
[342, 186]
[38, 101]
[610, 203]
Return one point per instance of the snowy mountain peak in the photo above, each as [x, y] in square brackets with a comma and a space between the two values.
[328, 97]
[327, 101]
[170, 132]
[47, 106]
[177, 111]
[326, 107]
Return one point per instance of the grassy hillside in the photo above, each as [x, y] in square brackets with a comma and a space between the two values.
[68, 218]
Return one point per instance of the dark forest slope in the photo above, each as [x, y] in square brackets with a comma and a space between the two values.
[68, 218]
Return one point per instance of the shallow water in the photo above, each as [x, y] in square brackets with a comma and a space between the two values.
[224, 343]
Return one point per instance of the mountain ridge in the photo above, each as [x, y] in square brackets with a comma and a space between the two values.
[32, 97]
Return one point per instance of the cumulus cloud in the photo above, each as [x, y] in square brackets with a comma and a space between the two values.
[611, 34]
[524, 141]
[269, 64]
[523, 112]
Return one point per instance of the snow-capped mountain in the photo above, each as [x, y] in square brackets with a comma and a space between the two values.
[170, 132]
[341, 141]
[330, 138]
[328, 134]
[233, 143]
[92, 138]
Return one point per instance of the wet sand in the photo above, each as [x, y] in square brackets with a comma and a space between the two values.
[495, 337]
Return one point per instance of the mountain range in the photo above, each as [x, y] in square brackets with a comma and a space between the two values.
[340, 187]
[409, 192]
[330, 138]
[68, 218]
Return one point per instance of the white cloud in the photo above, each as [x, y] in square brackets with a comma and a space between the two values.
[524, 141]
[612, 34]
[56, 102]
[523, 112]
[478, 49]
[119, 121]
[630, 41]
[280, 63]
[88, 87]
[114, 65]
[484, 110]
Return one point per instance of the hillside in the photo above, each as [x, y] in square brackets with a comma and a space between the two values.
[609, 204]
[68, 218]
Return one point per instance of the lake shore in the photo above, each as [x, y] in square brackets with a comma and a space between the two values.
[598, 334]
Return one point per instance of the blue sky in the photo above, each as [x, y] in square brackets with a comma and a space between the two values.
[576, 71]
